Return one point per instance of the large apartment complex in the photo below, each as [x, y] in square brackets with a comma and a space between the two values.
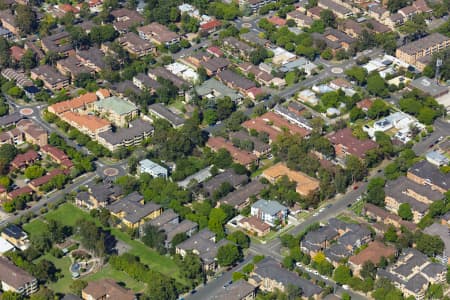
[419, 53]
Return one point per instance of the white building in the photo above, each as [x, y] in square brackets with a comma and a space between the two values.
[149, 167]
[269, 211]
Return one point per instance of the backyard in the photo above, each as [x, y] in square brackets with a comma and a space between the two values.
[68, 214]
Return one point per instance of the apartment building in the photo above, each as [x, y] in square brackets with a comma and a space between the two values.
[416, 53]
[117, 110]
[15, 279]
[158, 34]
[50, 77]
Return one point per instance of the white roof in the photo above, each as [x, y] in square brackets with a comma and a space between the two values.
[5, 246]
[177, 68]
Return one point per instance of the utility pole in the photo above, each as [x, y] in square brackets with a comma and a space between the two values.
[438, 65]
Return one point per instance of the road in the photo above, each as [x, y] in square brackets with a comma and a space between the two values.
[210, 289]
[52, 197]
[441, 128]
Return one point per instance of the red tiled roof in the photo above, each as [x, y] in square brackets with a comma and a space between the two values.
[373, 253]
[210, 25]
[46, 178]
[19, 192]
[17, 52]
[54, 152]
[22, 159]
[277, 21]
[353, 146]
[238, 155]
[75, 103]
[364, 104]
[215, 51]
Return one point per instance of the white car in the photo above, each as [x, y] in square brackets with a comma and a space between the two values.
[315, 214]
[315, 272]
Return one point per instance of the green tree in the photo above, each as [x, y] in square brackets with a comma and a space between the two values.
[357, 73]
[391, 234]
[328, 18]
[191, 269]
[378, 109]
[404, 211]
[217, 219]
[368, 270]
[375, 191]
[293, 292]
[435, 291]
[342, 274]
[431, 245]
[26, 19]
[228, 255]
[376, 85]
[327, 54]
[240, 239]
[34, 171]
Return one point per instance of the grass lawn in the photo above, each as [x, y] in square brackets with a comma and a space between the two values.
[34, 227]
[68, 214]
[163, 264]
[108, 272]
[63, 264]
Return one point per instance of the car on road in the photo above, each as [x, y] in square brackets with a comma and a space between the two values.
[329, 205]
[345, 287]
[315, 214]
[348, 205]
[355, 187]
[440, 138]
[315, 272]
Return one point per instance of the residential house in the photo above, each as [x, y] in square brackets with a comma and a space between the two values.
[378, 12]
[152, 168]
[145, 83]
[163, 73]
[137, 131]
[50, 77]
[413, 53]
[16, 53]
[254, 5]
[292, 117]
[300, 19]
[413, 273]
[384, 217]
[117, 110]
[158, 34]
[336, 40]
[92, 58]
[135, 45]
[305, 184]
[79, 104]
[10, 119]
[12, 137]
[269, 211]
[20, 78]
[25, 190]
[24, 160]
[254, 226]
[274, 124]
[314, 12]
[259, 147]
[57, 155]
[125, 19]
[210, 26]
[214, 89]
[59, 43]
[436, 158]
[72, 67]
[374, 252]
[133, 211]
[214, 65]
[36, 184]
[15, 279]
[106, 289]
[90, 125]
[240, 156]
[237, 47]
[160, 111]
[346, 144]
[340, 11]
[8, 21]
[205, 246]
[269, 276]
[229, 176]
[32, 132]
[98, 195]
[425, 173]
[235, 81]
[238, 290]
[16, 236]
[429, 87]
[277, 21]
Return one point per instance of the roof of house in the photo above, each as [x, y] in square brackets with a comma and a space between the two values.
[203, 243]
[237, 44]
[255, 223]
[135, 42]
[159, 32]
[17, 52]
[136, 128]
[55, 152]
[167, 114]
[172, 230]
[49, 74]
[373, 253]
[334, 7]
[275, 20]
[258, 145]
[14, 231]
[116, 105]
[75, 103]
[238, 197]
[423, 43]
[20, 191]
[73, 65]
[431, 173]
[217, 88]
[228, 176]
[241, 156]
[384, 215]
[235, 79]
[22, 159]
[210, 25]
[148, 82]
[353, 145]
[58, 42]
[94, 56]
[108, 288]
[46, 178]
[167, 216]
[161, 72]
[132, 207]
[91, 122]
[13, 276]
[30, 127]
[305, 183]
[269, 207]
[269, 268]
[237, 290]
